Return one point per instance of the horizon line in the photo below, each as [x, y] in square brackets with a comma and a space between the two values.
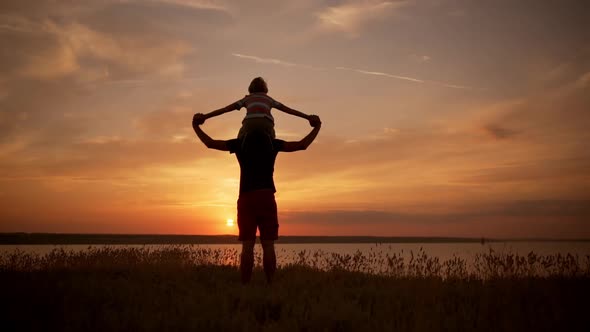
[363, 238]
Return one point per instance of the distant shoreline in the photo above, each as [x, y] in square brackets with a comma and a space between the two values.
[83, 239]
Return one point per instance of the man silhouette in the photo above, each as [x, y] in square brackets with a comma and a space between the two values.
[256, 153]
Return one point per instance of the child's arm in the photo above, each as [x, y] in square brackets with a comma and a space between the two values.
[232, 107]
[291, 111]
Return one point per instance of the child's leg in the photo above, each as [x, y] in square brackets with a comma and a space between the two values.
[271, 132]
[242, 131]
[257, 124]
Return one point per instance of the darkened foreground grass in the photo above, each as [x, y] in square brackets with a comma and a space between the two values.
[180, 288]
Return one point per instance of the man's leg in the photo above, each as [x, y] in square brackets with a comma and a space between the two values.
[269, 259]
[269, 232]
[247, 260]
[247, 229]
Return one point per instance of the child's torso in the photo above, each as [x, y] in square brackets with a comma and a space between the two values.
[259, 103]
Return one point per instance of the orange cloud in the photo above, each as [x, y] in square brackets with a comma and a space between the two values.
[350, 17]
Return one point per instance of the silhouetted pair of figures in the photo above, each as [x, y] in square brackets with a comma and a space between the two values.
[256, 150]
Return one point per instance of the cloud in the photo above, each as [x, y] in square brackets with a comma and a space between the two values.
[166, 123]
[411, 79]
[499, 132]
[420, 58]
[12, 23]
[76, 43]
[544, 208]
[193, 4]
[360, 71]
[89, 42]
[351, 17]
[69, 8]
[275, 61]
[355, 217]
[4, 90]
[51, 63]
[101, 157]
[553, 115]
[376, 73]
[584, 79]
[264, 60]
[521, 208]
[539, 171]
[519, 218]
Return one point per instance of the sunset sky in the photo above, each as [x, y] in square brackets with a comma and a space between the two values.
[440, 117]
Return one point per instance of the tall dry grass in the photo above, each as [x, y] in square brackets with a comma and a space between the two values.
[185, 288]
[484, 266]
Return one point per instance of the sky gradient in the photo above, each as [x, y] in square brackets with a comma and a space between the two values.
[440, 117]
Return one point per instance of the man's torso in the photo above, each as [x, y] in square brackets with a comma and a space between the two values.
[256, 165]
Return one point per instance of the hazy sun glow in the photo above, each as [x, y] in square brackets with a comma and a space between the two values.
[229, 223]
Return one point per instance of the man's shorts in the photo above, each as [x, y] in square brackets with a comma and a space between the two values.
[258, 209]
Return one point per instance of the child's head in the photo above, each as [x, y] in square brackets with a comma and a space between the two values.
[258, 85]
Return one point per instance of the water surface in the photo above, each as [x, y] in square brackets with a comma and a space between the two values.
[287, 253]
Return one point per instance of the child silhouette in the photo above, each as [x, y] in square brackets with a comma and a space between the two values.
[258, 105]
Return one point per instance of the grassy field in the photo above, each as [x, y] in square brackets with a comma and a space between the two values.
[183, 288]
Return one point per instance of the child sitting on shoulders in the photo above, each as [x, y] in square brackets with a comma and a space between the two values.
[258, 105]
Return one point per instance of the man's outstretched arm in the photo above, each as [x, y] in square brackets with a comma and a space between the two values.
[316, 123]
[198, 120]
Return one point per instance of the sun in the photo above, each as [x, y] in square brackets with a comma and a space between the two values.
[229, 223]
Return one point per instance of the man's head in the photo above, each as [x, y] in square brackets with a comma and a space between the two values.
[258, 85]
